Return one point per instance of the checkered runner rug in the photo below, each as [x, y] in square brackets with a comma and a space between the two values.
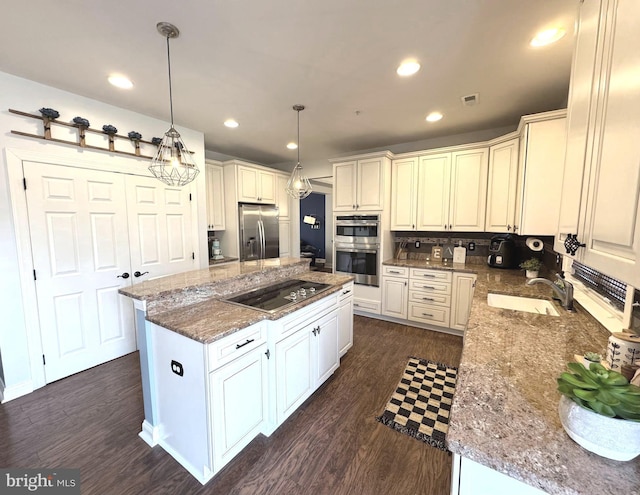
[421, 404]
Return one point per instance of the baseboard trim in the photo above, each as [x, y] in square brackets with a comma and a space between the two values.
[14, 391]
[150, 434]
[424, 326]
[202, 475]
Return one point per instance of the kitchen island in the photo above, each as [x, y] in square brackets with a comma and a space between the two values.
[216, 374]
[505, 409]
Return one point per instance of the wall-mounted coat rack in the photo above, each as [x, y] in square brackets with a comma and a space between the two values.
[81, 140]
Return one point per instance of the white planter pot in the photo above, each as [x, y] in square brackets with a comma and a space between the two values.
[616, 439]
[532, 273]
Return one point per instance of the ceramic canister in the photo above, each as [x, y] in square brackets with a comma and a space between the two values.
[623, 348]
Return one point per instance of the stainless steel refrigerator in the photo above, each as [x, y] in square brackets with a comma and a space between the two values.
[259, 232]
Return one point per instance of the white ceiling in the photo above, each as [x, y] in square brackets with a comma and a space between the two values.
[252, 60]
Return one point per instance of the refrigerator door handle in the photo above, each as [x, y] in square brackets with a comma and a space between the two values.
[261, 233]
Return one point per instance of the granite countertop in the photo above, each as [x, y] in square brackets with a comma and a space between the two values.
[213, 319]
[505, 409]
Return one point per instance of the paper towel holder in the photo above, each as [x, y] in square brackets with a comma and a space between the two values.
[534, 244]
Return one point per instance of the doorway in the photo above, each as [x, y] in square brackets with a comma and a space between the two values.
[313, 229]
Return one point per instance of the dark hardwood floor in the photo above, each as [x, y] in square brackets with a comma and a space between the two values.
[331, 445]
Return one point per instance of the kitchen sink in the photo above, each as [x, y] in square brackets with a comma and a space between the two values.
[540, 306]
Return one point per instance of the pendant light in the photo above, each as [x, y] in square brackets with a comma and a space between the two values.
[298, 186]
[173, 164]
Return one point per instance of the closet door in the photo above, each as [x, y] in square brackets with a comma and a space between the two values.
[80, 248]
[159, 228]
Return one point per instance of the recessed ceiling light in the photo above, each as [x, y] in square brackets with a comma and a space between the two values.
[231, 123]
[434, 117]
[547, 37]
[292, 146]
[408, 68]
[121, 82]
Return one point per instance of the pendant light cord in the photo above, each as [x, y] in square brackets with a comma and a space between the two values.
[170, 92]
[298, 138]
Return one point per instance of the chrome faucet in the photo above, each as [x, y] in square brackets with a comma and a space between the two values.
[566, 295]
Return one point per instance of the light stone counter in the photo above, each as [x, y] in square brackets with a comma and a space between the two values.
[505, 409]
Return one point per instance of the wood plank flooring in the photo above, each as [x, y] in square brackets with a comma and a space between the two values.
[331, 445]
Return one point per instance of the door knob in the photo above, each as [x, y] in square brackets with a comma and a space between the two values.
[138, 274]
[124, 275]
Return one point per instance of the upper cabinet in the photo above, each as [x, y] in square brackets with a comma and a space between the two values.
[282, 198]
[601, 188]
[440, 191]
[523, 195]
[359, 185]
[215, 196]
[256, 185]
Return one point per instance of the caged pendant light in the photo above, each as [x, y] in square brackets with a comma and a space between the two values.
[173, 164]
[298, 185]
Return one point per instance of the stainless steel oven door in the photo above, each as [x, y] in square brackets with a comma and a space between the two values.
[359, 261]
[358, 229]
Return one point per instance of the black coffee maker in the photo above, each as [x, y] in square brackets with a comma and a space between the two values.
[502, 251]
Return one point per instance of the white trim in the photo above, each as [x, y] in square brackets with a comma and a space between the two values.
[14, 391]
[203, 475]
[597, 306]
[150, 434]
[2, 387]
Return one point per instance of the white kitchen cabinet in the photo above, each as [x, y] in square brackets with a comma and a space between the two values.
[440, 191]
[283, 200]
[256, 185]
[608, 121]
[215, 196]
[239, 404]
[345, 319]
[284, 227]
[395, 291]
[502, 186]
[462, 295]
[472, 478]
[359, 184]
[542, 151]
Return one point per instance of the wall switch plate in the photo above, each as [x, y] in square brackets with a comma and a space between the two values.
[436, 253]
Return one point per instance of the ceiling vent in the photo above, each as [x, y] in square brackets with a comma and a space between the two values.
[470, 100]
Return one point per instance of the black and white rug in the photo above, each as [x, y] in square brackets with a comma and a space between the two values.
[421, 403]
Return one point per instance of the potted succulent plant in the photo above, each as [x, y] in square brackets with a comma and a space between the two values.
[591, 357]
[600, 410]
[532, 265]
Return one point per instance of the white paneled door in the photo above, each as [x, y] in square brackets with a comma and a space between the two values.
[93, 232]
[80, 245]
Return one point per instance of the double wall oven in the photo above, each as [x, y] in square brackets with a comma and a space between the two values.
[357, 247]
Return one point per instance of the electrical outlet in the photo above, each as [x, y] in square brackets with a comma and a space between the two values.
[177, 368]
[472, 246]
[417, 244]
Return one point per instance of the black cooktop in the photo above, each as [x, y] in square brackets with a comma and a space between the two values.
[279, 296]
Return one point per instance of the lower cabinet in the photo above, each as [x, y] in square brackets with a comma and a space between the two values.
[345, 319]
[439, 298]
[304, 360]
[471, 478]
[239, 405]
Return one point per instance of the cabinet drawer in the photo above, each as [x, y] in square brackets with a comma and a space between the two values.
[235, 345]
[346, 292]
[439, 275]
[395, 271]
[431, 298]
[367, 306]
[430, 286]
[424, 313]
[294, 321]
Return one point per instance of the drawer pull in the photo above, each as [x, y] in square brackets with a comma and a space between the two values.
[394, 271]
[356, 305]
[428, 287]
[428, 299]
[427, 314]
[346, 292]
[428, 275]
[238, 346]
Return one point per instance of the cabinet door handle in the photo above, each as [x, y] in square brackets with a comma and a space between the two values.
[353, 206]
[356, 305]
[508, 227]
[124, 275]
[318, 329]
[427, 314]
[405, 284]
[138, 274]
[357, 207]
[238, 346]
[268, 354]
[413, 226]
[450, 226]
[515, 227]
